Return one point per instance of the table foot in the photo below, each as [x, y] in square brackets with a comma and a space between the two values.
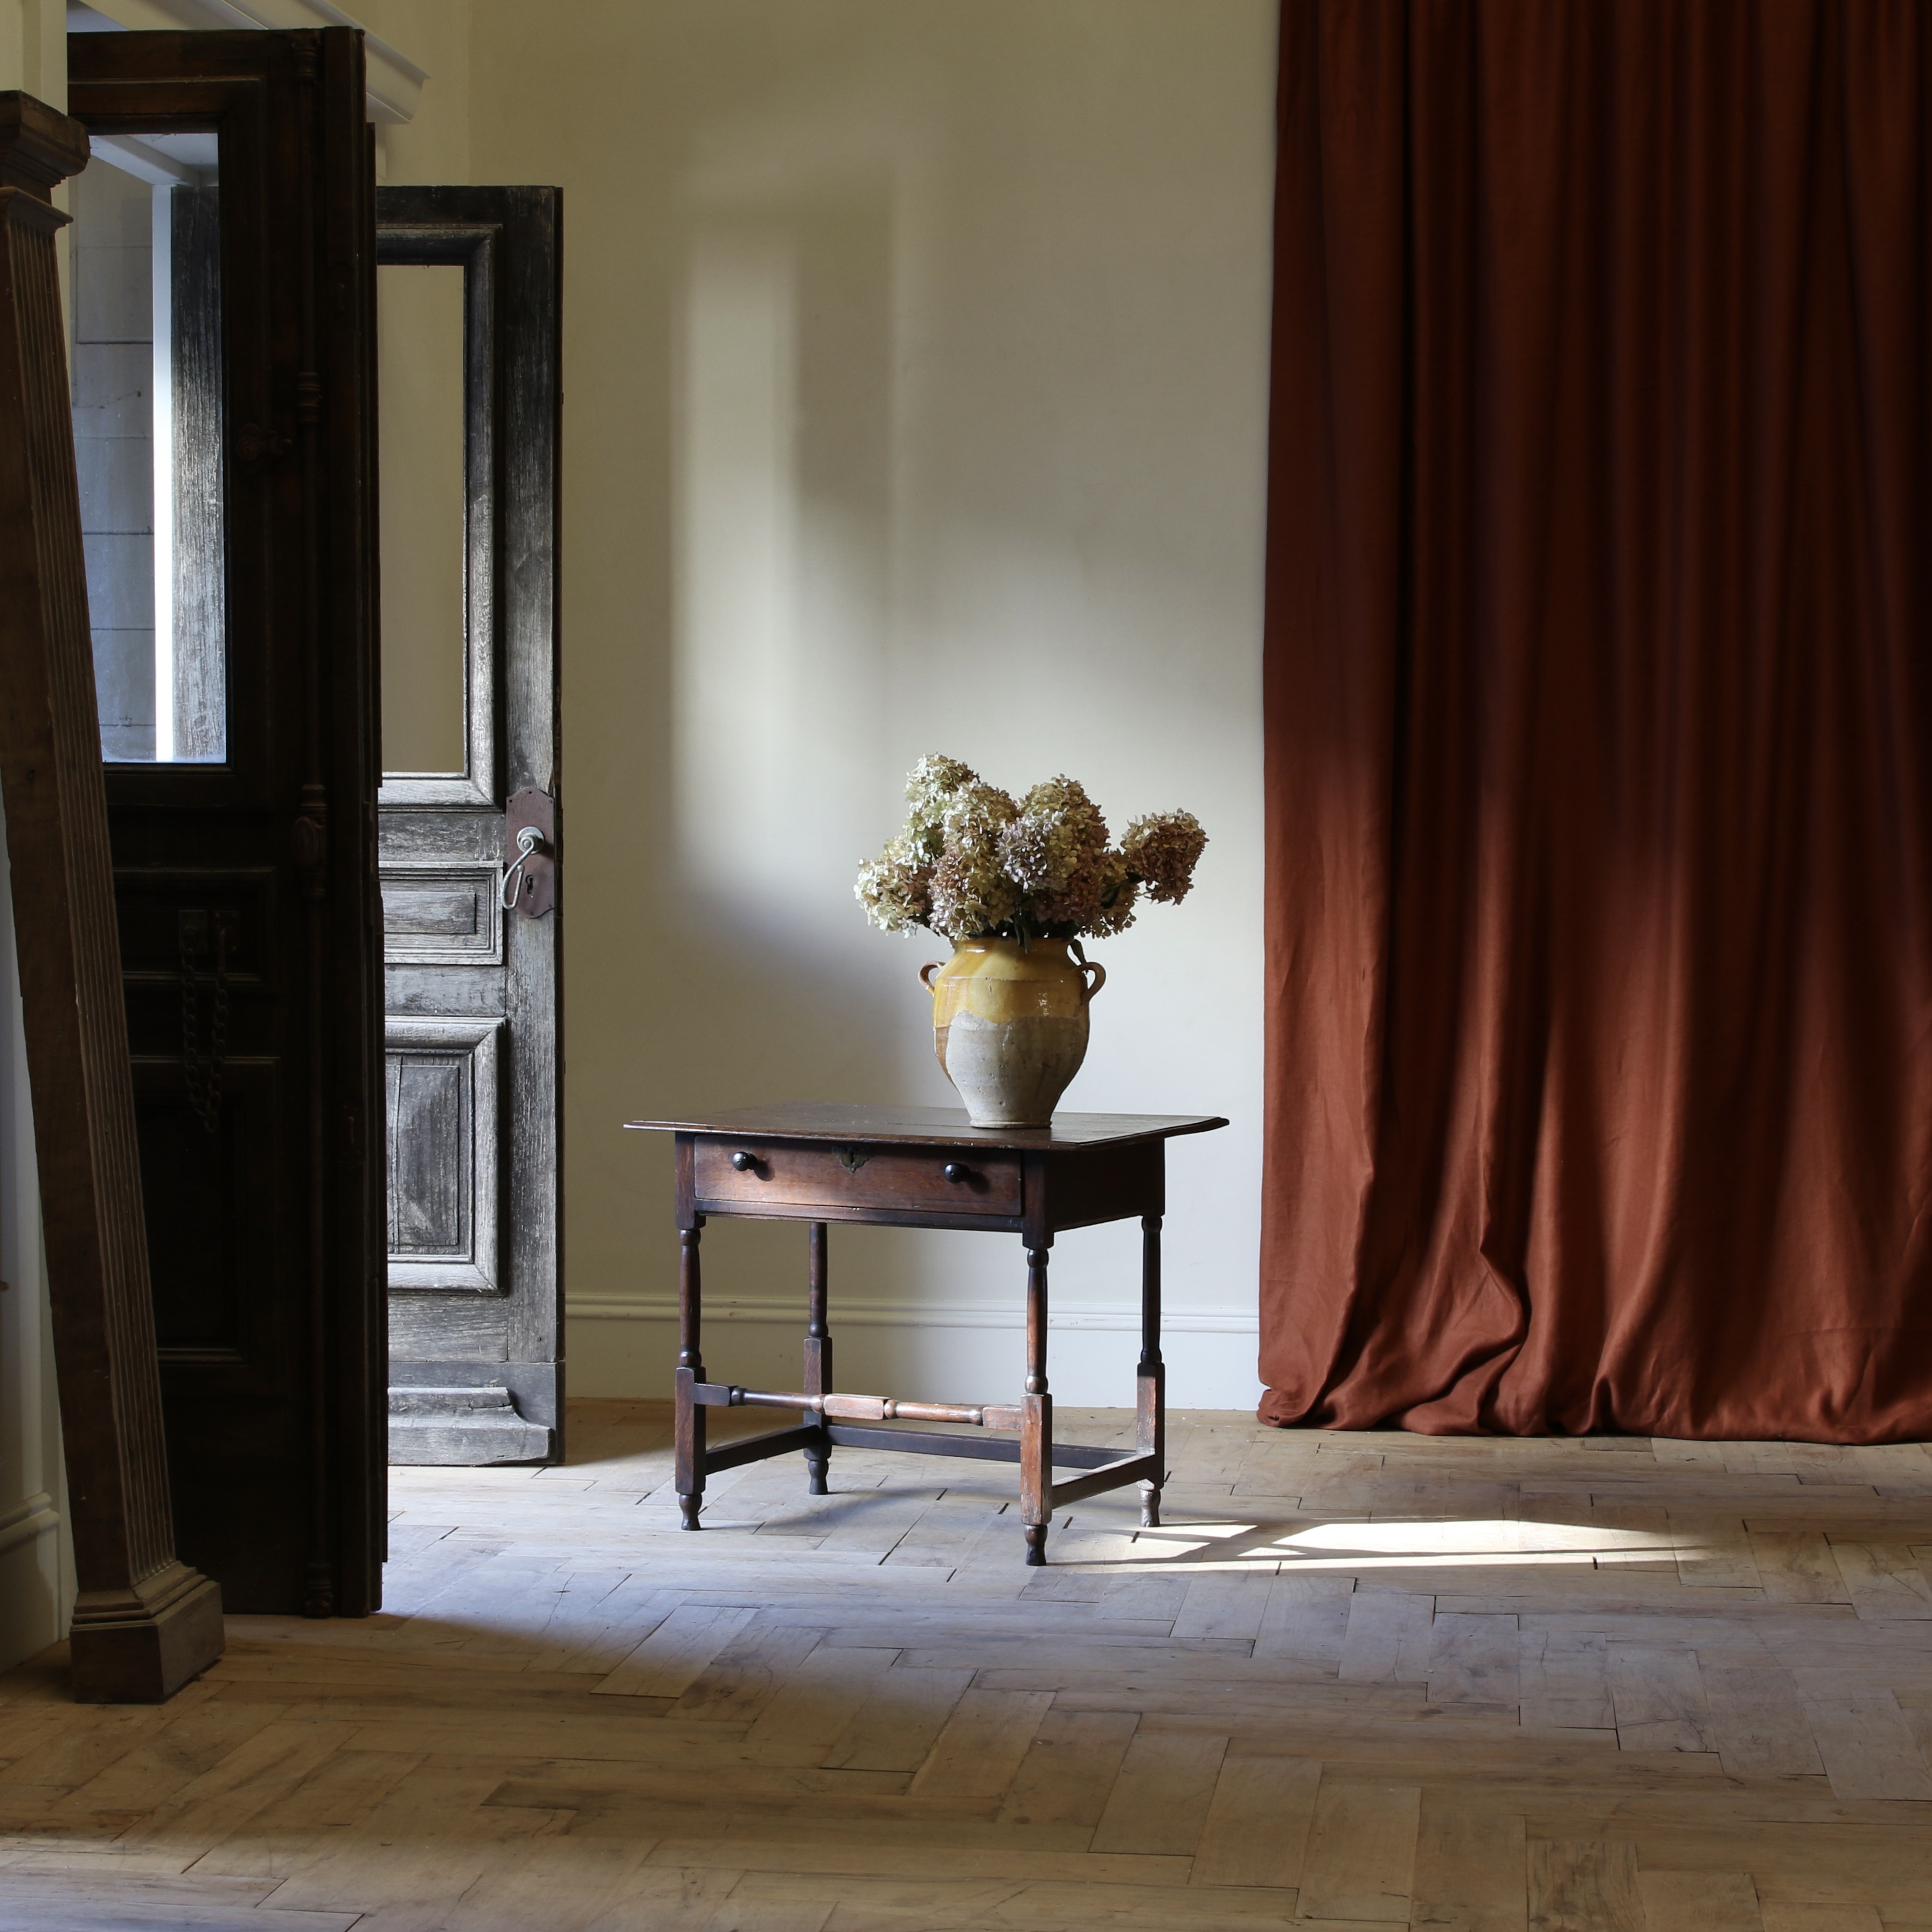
[1036, 1544]
[1150, 1506]
[818, 1463]
[688, 1508]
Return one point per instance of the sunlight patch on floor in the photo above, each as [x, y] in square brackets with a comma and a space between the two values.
[1478, 1538]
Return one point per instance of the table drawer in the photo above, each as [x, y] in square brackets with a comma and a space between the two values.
[779, 1174]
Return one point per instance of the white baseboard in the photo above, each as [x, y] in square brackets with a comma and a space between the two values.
[32, 1611]
[31, 1516]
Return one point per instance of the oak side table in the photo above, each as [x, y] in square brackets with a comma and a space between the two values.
[923, 1167]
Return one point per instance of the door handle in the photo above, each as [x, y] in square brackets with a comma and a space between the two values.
[529, 843]
[530, 853]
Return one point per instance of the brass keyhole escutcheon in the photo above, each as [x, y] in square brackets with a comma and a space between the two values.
[852, 1158]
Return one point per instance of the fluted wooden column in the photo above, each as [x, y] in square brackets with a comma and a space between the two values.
[144, 1623]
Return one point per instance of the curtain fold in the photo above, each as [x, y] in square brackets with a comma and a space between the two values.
[1599, 677]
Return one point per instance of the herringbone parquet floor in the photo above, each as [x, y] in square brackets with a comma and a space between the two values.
[1359, 1681]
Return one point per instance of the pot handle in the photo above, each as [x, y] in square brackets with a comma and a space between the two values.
[1098, 980]
[926, 972]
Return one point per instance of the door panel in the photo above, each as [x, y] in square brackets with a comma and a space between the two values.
[245, 867]
[473, 987]
[443, 915]
[445, 1127]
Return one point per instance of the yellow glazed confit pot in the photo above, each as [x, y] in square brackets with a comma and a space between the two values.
[1009, 1026]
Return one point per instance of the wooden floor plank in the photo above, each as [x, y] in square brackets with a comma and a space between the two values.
[1757, 1719]
[744, 1677]
[106, 1904]
[672, 1658]
[1658, 1695]
[1305, 1623]
[1563, 1679]
[812, 1704]
[1388, 1637]
[1257, 1827]
[980, 1752]
[1470, 1872]
[1159, 1802]
[1472, 1660]
[1779, 1917]
[1714, 1549]
[1223, 1605]
[1361, 1852]
[1069, 1772]
[1584, 1886]
[896, 1727]
[1868, 1747]
[1798, 1567]
[1885, 1581]
[1699, 1901]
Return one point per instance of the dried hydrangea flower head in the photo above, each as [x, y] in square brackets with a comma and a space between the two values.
[1162, 850]
[931, 786]
[971, 894]
[971, 897]
[979, 813]
[1114, 901]
[1058, 833]
[971, 863]
[895, 888]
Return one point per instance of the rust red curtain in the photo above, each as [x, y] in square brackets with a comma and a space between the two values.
[1599, 679]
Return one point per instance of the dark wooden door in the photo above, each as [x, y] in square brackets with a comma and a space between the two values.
[473, 941]
[237, 630]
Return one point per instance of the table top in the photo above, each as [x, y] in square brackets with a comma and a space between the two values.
[940, 1126]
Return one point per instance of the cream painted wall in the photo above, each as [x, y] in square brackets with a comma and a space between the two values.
[36, 1563]
[33, 48]
[433, 147]
[915, 361]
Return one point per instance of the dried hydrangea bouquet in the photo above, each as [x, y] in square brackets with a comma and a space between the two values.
[1016, 885]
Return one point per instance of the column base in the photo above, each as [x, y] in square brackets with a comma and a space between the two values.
[139, 1646]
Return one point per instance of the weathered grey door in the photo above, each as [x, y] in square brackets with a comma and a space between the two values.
[467, 288]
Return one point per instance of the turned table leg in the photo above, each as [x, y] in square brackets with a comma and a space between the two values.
[817, 1354]
[1150, 1405]
[1035, 1417]
[690, 1417]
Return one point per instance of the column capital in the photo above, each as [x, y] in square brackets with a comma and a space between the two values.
[40, 146]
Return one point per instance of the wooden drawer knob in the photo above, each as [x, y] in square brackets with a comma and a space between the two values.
[955, 1170]
[745, 1163]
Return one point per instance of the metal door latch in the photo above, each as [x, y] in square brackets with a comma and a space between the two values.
[529, 851]
[529, 843]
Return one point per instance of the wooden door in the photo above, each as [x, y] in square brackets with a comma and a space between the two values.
[468, 293]
[224, 324]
